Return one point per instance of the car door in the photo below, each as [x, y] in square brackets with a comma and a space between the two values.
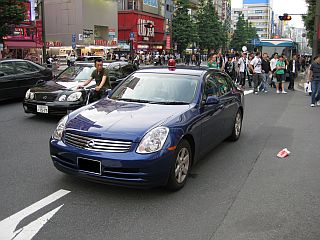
[211, 116]
[27, 76]
[8, 84]
[228, 101]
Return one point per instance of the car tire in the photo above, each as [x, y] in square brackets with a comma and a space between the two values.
[181, 166]
[237, 127]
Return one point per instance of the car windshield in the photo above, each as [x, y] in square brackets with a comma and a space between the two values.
[157, 88]
[75, 73]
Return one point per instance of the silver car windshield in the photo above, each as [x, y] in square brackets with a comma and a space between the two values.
[157, 88]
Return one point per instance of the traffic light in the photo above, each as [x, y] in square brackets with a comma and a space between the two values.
[149, 25]
[285, 17]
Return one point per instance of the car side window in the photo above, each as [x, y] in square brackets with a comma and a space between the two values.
[211, 89]
[222, 84]
[33, 68]
[128, 69]
[7, 68]
[23, 67]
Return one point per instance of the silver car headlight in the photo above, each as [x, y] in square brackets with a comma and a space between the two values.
[74, 97]
[31, 95]
[27, 96]
[154, 140]
[57, 134]
[62, 98]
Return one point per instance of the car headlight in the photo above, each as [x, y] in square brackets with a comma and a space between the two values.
[31, 95]
[62, 98]
[74, 97]
[154, 140]
[57, 134]
[27, 96]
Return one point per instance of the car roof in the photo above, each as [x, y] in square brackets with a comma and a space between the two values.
[13, 60]
[104, 63]
[180, 69]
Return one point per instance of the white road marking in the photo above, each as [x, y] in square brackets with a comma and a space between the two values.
[8, 225]
[246, 92]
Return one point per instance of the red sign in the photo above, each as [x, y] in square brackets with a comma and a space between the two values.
[22, 33]
[101, 42]
[27, 6]
[168, 45]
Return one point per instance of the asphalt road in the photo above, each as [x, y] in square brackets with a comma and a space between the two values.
[239, 191]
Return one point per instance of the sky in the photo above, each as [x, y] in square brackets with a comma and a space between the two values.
[284, 6]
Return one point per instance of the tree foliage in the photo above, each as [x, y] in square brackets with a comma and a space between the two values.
[211, 32]
[183, 28]
[243, 34]
[12, 13]
[309, 20]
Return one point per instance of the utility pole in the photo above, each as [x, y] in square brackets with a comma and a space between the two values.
[44, 47]
[316, 39]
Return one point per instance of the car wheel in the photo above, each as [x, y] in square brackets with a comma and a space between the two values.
[237, 127]
[181, 166]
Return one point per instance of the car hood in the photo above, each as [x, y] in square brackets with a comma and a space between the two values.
[56, 86]
[122, 120]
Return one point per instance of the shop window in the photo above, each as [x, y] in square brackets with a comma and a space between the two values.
[132, 5]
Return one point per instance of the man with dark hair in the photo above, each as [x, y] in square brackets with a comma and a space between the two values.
[101, 76]
[255, 66]
[281, 74]
[266, 70]
[293, 69]
[315, 81]
[243, 65]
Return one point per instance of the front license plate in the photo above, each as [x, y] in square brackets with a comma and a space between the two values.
[89, 165]
[42, 109]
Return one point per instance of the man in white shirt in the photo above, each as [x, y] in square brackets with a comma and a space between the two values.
[273, 66]
[255, 66]
[243, 66]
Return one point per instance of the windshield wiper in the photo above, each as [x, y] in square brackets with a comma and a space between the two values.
[133, 100]
[171, 103]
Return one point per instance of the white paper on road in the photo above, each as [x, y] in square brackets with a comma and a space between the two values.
[8, 225]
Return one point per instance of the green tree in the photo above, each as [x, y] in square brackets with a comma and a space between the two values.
[309, 20]
[210, 31]
[183, 28]
[12, 13]
[243, 34]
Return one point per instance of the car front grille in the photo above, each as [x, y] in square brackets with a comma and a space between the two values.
[45, 97]
[96, 144]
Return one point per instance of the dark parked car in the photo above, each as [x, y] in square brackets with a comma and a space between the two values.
[154, 126]
[60, 96]
[17, 76]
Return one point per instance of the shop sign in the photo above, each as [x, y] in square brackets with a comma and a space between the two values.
[112, 33]
[143, 46]
[151, 3]
[53, 44]
[101, 42]
[27, 6]
[87, 33]
[168, 40]
[142, 30]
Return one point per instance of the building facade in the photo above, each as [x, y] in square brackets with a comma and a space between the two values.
[134, 15]
[89, 26]
[260, 15]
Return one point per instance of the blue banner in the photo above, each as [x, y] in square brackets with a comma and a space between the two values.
[255, 1]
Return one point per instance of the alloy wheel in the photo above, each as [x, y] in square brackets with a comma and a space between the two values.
[182, 165]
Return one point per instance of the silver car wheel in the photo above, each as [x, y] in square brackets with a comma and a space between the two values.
[182, 165]
[238, 124]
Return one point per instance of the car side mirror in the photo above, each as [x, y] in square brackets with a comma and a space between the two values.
[212, 100]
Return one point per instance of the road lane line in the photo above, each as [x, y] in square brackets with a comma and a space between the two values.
[8, 225]
[246, 92]
[29, 231]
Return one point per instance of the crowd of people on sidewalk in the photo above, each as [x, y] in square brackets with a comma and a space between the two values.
[260, 70]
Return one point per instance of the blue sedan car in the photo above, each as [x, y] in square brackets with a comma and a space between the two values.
[151, 129]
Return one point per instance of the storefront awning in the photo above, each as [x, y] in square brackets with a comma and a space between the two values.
[22, 44]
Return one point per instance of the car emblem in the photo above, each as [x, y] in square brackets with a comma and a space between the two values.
[91, 144]
[44, 98]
